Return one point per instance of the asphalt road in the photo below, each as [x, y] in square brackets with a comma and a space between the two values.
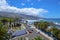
[35, 33]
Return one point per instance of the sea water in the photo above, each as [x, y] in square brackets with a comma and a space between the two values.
[55, 20]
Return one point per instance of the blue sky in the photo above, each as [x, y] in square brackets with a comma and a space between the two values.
[52, 6]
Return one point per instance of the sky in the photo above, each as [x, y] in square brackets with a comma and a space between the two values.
[41, 8]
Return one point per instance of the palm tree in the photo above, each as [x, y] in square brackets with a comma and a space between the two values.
[8, 21]
[36, 24]
[4, 20]
[37, 38]
[55, 32]
[3, 32]
[42, 24]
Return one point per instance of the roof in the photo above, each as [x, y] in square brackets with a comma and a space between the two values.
[19, 33]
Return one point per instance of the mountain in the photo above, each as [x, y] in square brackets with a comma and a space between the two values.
[19, 15]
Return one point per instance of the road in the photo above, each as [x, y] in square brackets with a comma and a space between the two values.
[34, 34]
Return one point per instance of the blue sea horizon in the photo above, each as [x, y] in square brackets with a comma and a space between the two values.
[49, 20]
[54, 21]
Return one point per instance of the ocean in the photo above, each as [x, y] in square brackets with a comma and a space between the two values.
[53, 20]
[47, 19]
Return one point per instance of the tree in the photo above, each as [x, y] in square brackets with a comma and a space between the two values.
[4, 20]
[37, 38]
[3, 32]
[36, 24]
[42, 24]
[59, 35]
[55, 32]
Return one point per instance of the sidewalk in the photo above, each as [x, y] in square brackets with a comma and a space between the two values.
[43, 34]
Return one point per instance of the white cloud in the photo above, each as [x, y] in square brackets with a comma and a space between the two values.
[32, 11]
[3, 3]
[28, 11]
